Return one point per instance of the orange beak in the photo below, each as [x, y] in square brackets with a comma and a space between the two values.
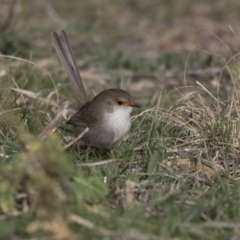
[133, 104]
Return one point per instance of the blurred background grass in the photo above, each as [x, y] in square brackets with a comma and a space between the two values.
[145, 38]
[142, 28]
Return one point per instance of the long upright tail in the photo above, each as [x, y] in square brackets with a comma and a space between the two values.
[65, 54]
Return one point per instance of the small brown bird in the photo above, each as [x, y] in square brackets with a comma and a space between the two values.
[108, 114]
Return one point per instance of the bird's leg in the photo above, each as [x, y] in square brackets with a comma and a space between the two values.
[110, 153]
[78, 147]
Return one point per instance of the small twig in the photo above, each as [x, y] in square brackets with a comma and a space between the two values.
[35, 96]
[198, 83]
[15, 83]
[228, 225]
[76, 139]
[215, 157]
[21, 196]
[96, 163]
[130, 234]
[9, 111]
[89, 225]
[53, 124]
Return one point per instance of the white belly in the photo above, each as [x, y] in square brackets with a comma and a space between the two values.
[119, 121]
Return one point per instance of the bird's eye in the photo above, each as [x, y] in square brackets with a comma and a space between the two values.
[119, 102]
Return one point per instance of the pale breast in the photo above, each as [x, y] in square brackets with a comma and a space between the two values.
[119, 121]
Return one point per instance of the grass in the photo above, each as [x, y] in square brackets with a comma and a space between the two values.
[176, 176]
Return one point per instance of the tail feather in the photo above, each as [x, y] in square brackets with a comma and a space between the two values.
[65, 54]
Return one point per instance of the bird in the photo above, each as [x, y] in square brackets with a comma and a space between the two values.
[107, 115]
